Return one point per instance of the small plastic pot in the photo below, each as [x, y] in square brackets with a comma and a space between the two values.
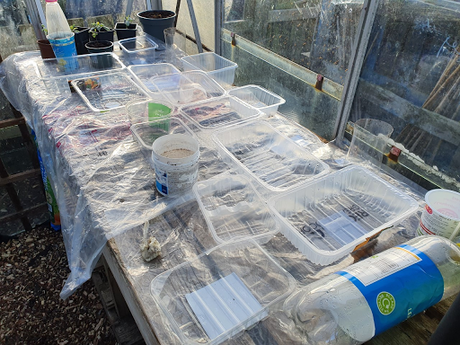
[102, 36]
[81, 38]
[125, 32]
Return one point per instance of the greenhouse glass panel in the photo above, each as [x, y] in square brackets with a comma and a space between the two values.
[16, 31]
[410, 79]
[287, 46]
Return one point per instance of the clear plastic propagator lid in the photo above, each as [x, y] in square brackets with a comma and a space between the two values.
[327, 218]
[273, 160]
[222, 292]
[219, 112]
[233, 209]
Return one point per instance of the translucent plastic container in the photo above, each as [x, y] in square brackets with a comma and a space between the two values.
[219, 112]
[258, 97]
[138, 50]
[188, 87]
[146, 133]
[146, 72]
[136, 44]
[143, 111]
[326, 219]
[274, 161]
[109, 91]
[56, 77]
[220, 69]
[233, 209]
[221, 293]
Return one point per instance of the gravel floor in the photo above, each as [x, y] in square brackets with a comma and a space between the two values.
[33, 269]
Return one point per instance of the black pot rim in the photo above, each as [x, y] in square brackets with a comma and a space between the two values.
[135, 26]
[139, 14]
[81, 29]
[103, 41]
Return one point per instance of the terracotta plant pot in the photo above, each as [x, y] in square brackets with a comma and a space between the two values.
[125, 32]
[46, 50]
[154, 22]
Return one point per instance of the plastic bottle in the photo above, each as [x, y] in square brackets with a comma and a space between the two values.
[355, 304]
[60, 36]
[56, 21]
[55, 218]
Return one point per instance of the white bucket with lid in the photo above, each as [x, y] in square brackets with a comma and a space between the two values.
[441, 215]
[175, 160]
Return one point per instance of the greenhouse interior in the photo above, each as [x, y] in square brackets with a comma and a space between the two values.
[169, 148]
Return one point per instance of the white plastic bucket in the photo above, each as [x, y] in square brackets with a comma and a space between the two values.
[441, 215]
[175, 160]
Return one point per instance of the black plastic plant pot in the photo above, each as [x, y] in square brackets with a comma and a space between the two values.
[154, 22]
[125, 32]
[102, 36]
[104, 60]
[81, 38]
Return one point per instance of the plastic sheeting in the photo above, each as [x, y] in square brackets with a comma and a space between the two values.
[102, 183]
[105, 189]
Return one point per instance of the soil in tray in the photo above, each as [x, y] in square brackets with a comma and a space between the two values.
[158, 15]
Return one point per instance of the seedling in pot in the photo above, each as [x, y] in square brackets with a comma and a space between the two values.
[96, 28]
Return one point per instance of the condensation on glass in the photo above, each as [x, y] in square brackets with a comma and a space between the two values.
[410, 79]
[16, 33]
[306, 38]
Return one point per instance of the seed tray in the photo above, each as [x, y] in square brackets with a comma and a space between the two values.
[219, 112]
[110, 91]
[274, 161]
[327, 218]
[188, 87]
[233, 209]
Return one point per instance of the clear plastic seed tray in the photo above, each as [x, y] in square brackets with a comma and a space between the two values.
[326, 219]
[56, 77]
[52, 68]
[136, 44]
[219, 112]
[109, 91]
[220, 69]
[233, 209]
[221, 293]
[147, 132]
[138, 50]
[258, 97]
[188, 87]
[274, 161]
[146, 72]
